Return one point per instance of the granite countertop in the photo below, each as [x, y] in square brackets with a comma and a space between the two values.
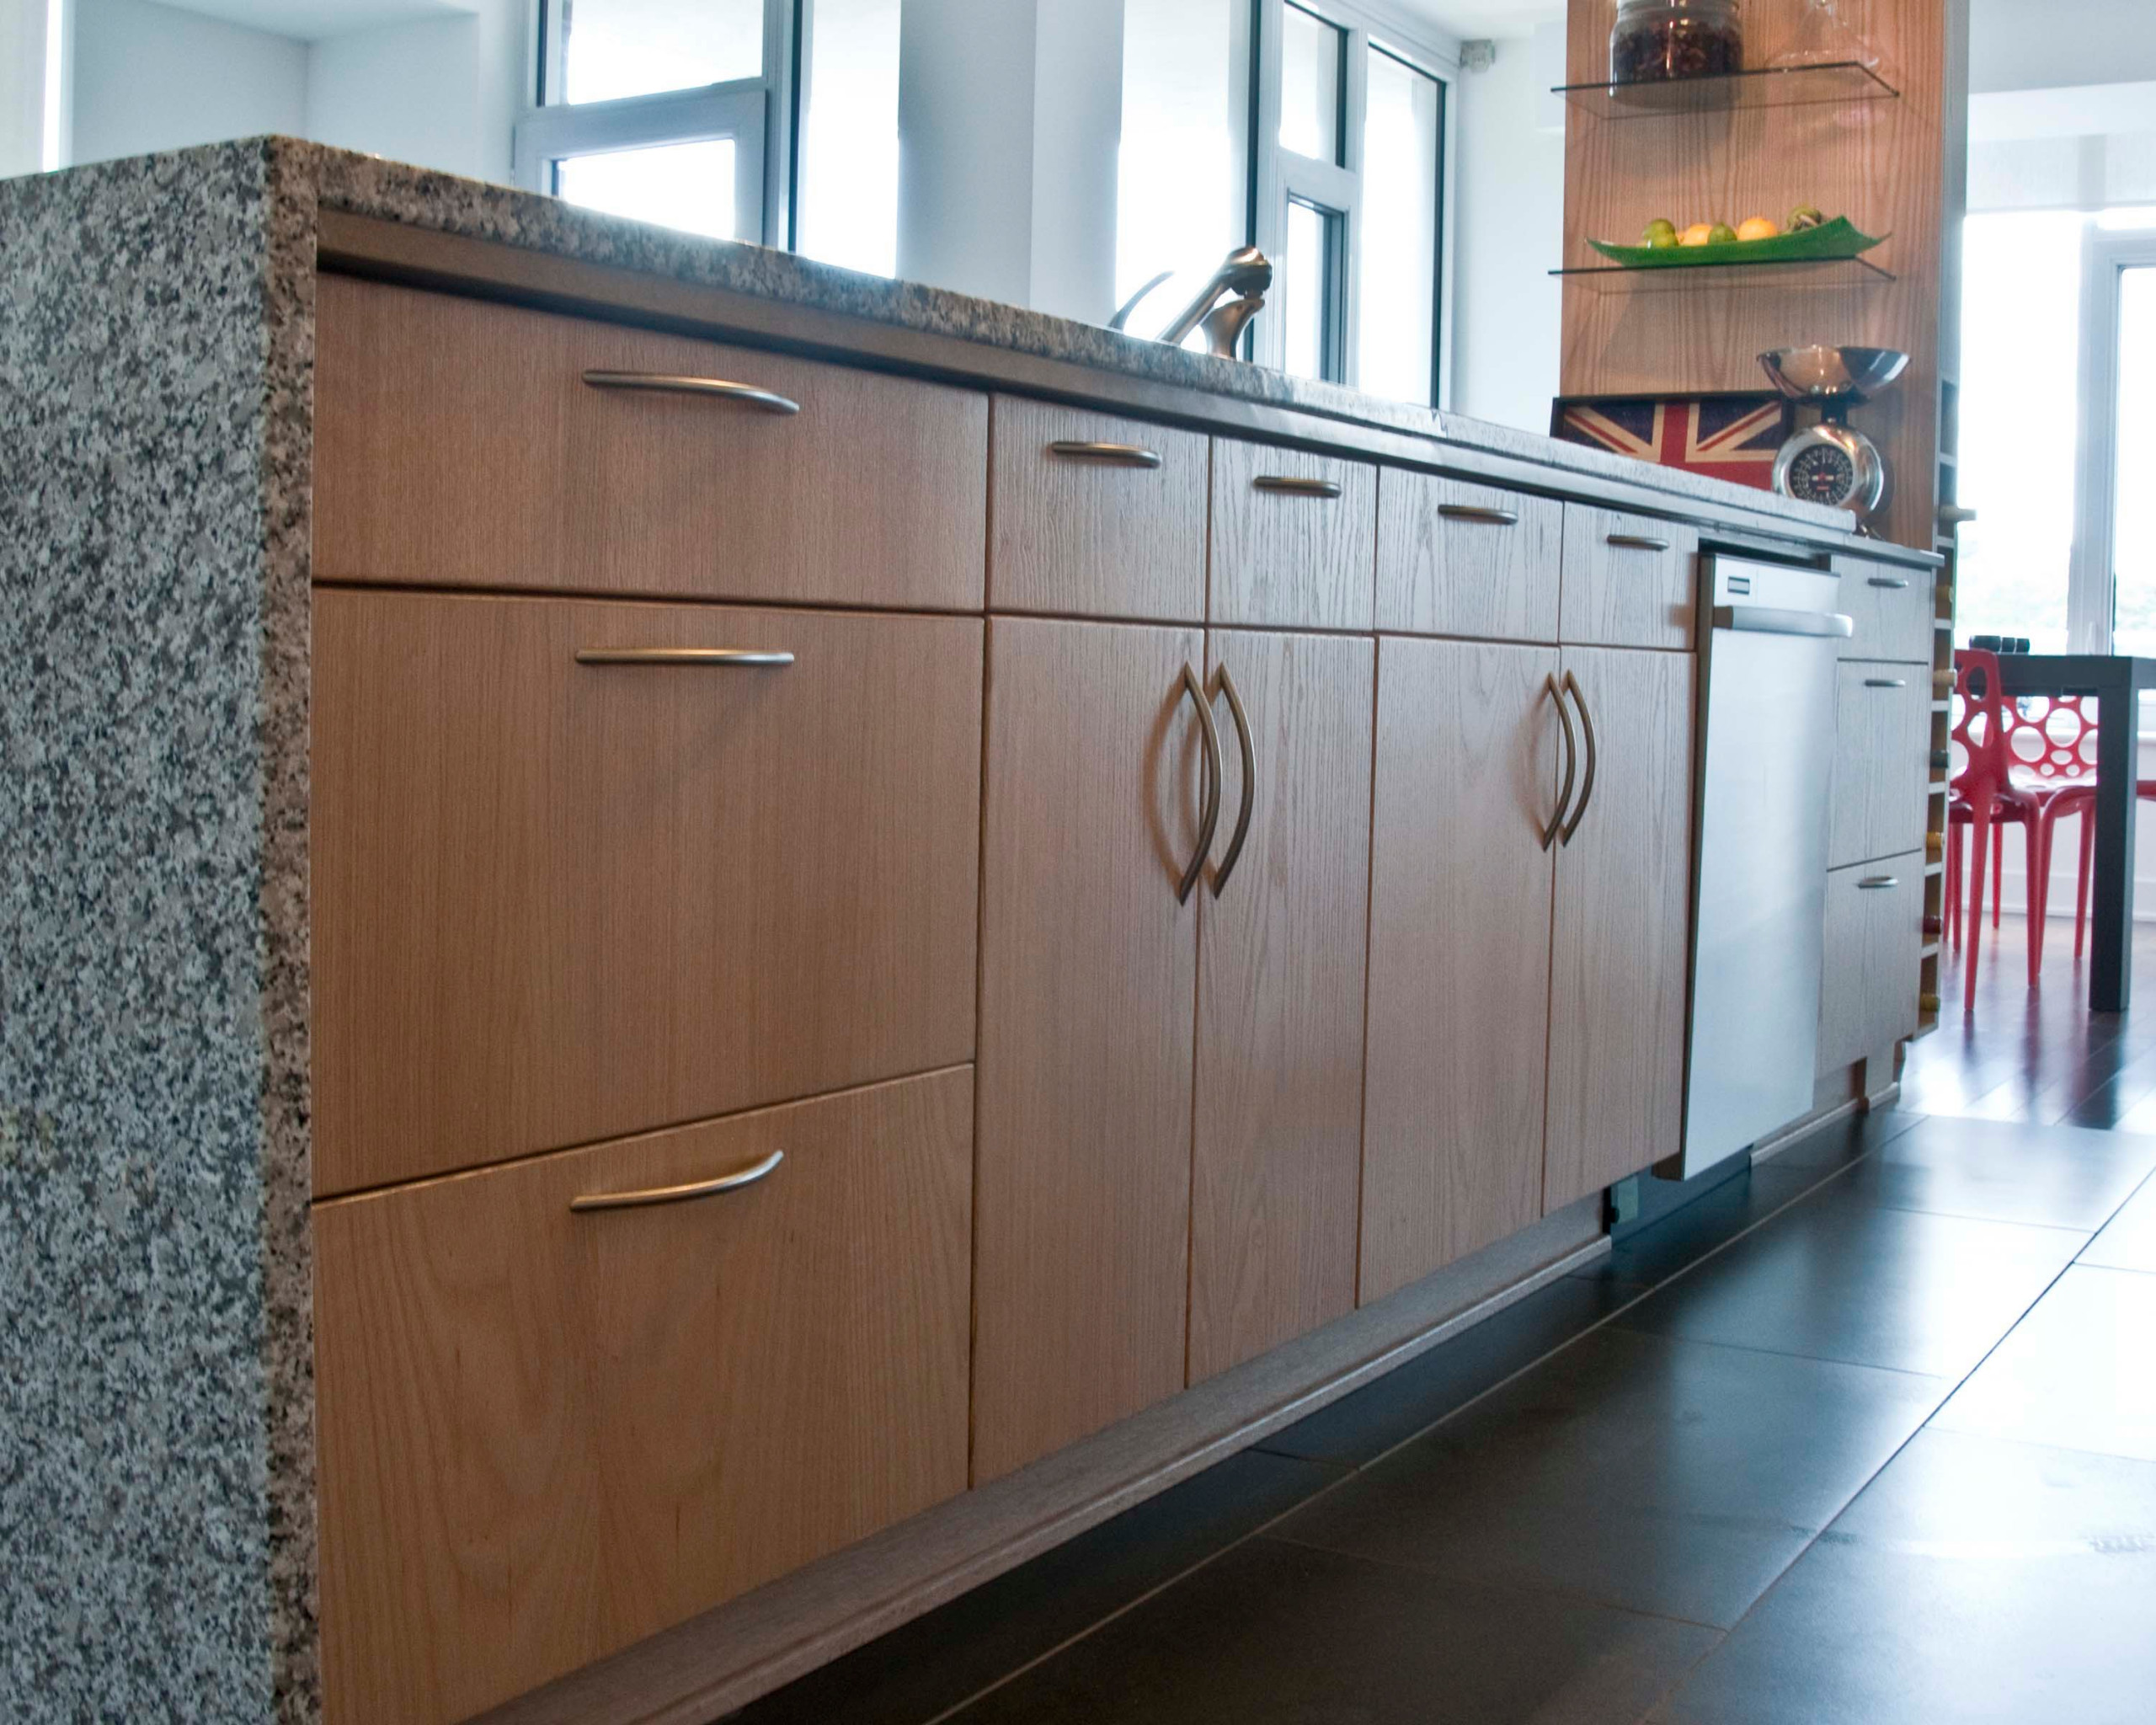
[366, 185]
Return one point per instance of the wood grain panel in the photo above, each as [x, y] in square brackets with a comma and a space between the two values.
[1467, 764]
[556, 902]
[1088, 976]
[1619, 590]
[1882, 746]
[1620, 950]
[1893, 934]
[1845, 1010]
[456, 445]
[1891, 609]
[1445, 575]
[1284, 559]
[1882, 163]
[1095, 538]
[1279, 1082]
[545, 1435]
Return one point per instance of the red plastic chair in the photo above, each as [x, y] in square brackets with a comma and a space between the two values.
[1984, 795]
[2052, 740]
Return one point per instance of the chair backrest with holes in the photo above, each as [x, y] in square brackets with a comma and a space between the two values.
[1981, 725]
[2051, 739]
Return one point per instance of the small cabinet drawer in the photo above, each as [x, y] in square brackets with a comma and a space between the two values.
[1629, 580]
[1891, 609]
[1097, 516]
[548, 1430]
[1294, 538]
[1869, 982]
[1882, 728]
[565, 889]
[1459, 559]
[460, 443]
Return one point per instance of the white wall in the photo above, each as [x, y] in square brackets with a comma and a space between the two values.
[2021, 44]
[410, 93]
[150, 77]
[1509, 219]
[22, 86]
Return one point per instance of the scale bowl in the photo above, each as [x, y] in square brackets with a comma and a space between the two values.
[1832, 373]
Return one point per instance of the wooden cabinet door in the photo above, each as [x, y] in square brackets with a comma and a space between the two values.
[1456, 559]
[1629, 580]
[1844, 974]
[1089, 977]
[1882, 751]
[1620, 951]
[547, 1432]
[561, 896]
[1279, 1099]
[1467, 763]
[1294, 538]
[1890, 608]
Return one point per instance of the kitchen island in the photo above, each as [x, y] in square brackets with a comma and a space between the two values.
[699, 947]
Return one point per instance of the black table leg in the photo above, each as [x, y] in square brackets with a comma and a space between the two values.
[2110, 953]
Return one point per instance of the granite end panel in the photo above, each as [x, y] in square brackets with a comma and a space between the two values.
[367, 186]
[156, 1364]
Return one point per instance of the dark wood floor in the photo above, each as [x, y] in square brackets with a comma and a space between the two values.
[1863, 1436]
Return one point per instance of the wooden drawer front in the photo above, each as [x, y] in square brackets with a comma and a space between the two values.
[545, 1433]
[1097, 516]
[1294, 538]
[1629, 580]
[1883, 731]
[1875, 931]
[557, 902]
[1892, 610]
[458, 445]
[1460, 559]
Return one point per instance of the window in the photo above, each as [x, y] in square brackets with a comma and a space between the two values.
[680, 112]
[1285, 125]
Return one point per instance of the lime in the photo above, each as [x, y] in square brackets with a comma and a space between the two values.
[1722, 234]
[1660, 232]
[1802, 217]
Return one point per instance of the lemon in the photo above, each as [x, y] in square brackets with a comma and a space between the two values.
[1698, 234]
[1757, 227]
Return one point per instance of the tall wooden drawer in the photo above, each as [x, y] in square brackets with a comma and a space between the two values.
[1868, 983]
[1890, 608]
[558, 901]
[545, 1433]
[1097, 516]
[1460, 559]
[1294, 538]
[462, 444]
[1882, 754]
[1629, 580]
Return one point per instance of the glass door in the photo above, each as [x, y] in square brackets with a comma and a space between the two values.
[2115, 533]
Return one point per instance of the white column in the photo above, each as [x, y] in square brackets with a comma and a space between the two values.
[1077, 124]
[22, 86]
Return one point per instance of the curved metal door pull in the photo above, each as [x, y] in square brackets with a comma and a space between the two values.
[663, 383]
[1249, 782]
[680, 1194]
[1586, 788]
[1208, 822]
[1121, 455]
[1571, 761]
[745, 657]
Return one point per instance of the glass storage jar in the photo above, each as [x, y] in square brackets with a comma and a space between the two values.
[1667, 39]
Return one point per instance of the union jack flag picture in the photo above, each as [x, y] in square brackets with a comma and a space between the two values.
[1727, 436]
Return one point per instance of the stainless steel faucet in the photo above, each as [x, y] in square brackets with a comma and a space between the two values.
[1224, 307]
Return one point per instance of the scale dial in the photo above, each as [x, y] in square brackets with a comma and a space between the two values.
[1831, 464]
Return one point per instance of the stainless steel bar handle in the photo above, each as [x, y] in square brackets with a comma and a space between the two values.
[1587, 787]
[1121, 455]
[747, 394]
[1249, 782]
[1895, 582]
[745, 657]
[1885, 682]
[1637, 542]
[1572, 762]
[1294, 487]
[1208, 821]
[1768, 620]
[1479, 512]
[680, 1194]
[1876, 882]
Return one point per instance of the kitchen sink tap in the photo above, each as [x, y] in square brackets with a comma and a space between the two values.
[1224, 307]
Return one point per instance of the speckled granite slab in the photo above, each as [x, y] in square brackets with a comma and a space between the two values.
[156, 1405]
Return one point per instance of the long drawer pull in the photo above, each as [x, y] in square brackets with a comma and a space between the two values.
[1290, 486]
[1209, 819]
[1121, 455]
[1885, 682]
[1637, 542]
[1894, 582]
[1479, 512]
[665, 383]
[1572, 762]
[680, 1194]
[1249, 746]
[1587, 785]
[745, 657]
[1876, 882]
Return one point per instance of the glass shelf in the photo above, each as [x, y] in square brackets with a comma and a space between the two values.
[1770, 86]
[1793, 272]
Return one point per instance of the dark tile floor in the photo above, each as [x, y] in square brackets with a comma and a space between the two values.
[1867, 1435]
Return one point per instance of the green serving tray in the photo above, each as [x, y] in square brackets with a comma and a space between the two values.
[1830, 239]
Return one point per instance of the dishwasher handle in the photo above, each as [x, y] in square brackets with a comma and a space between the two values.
[1769, 620]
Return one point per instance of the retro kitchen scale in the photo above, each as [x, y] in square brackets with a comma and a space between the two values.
[1828, 462]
